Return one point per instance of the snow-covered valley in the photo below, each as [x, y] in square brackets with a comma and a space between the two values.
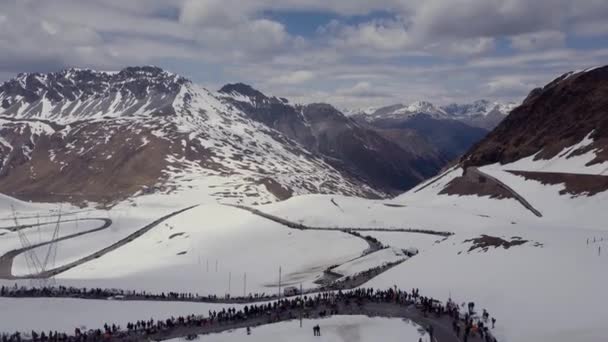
[520, 235]
[534, 288]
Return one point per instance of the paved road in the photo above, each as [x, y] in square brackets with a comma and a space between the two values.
[516, 195]
[442, 326]
[6, 261]
[295, 225]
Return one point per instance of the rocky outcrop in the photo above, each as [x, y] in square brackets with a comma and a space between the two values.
[562, 113]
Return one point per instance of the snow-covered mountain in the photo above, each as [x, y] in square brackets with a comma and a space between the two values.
[527, 206]
[481, 113]
[478, 108]
[521, 216]
[348, 145]
[450, 130]
[101, 136]
[402, 111]
[359, 111]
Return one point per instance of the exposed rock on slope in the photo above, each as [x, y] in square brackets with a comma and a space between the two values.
[561, 114]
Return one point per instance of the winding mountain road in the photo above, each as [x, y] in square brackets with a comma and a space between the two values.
[300, 226]
[442, 325]
[6, 260]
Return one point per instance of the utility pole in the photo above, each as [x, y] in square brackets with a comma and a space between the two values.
[301, 305]
[279, 282]
[245, 285]
[216, 261]
[207, 265]
[229, 282]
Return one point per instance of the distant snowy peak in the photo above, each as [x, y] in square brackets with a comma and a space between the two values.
[400, 111]
[421, 107]
[359, 111]
[479, 108]
[482, 113]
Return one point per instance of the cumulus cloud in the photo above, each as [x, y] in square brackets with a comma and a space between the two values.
[489, 18]
[374, 51]
[215, 13]
[511, 85]
[361, 89]
[538, 40]
[296, 77]
[383, 35]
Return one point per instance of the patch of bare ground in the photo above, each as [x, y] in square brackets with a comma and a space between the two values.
[484, 242]
[574, 184]
[278, 190]
[475, 184]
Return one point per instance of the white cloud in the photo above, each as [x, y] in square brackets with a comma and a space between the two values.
[384, 35]
[215, 13]
[361, 89]
[463, 47]
[296, 77]
[511, 85]
[538, 40]
[436, 49]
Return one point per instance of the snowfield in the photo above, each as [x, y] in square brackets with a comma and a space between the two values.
[333, 329]
[65, 314]
[543, 278]
[209, 249]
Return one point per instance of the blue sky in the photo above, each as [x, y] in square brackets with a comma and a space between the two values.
[353, 53]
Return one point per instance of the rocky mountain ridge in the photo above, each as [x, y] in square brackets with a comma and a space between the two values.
[80, 135]
[570, 109]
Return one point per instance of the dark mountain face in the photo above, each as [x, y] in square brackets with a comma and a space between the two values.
[271, 111]
[551, 118]
[448, 138]
[344, 143]
[363, 151]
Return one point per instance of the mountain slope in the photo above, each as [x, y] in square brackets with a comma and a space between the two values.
[447, 131]
[352, 147]
[481, 113]
[81, 135]
[563, 113]
[549, 154]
